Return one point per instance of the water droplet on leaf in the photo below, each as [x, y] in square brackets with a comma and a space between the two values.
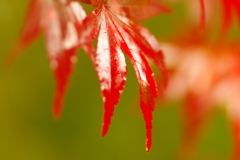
[74, 59]
[104, 99]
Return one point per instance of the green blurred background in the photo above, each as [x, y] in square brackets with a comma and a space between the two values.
[29, 132]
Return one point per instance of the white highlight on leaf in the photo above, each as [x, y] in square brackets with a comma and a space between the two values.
[74, 59]
[71, 38]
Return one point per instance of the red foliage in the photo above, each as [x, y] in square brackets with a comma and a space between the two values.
[205, 76]
[59, 21]
[229, 8]
[64, 29]
[116, 33]
[199, 76]
[236, 139]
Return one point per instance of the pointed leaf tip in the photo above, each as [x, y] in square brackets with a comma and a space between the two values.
[111, 70]
[149, 141]
[62, 69]
[57, 106]
[105, 128]
[116, 34]
[128, 42]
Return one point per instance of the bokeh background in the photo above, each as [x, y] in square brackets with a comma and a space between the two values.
[28, 130]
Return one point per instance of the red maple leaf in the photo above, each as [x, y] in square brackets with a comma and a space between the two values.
[59, 21]
[64, 29]
[116, 33]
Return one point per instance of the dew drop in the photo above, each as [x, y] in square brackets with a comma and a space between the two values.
[120, 91]
[104, 99]
[124, 78]
[74, 59]
[53, 64]
[152, 74]
[144, 84]
[102, 88]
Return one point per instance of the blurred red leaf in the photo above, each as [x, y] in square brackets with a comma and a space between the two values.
[236, 138]
[138, 10]
[59, 21]
[205, 76]
[230, 7]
